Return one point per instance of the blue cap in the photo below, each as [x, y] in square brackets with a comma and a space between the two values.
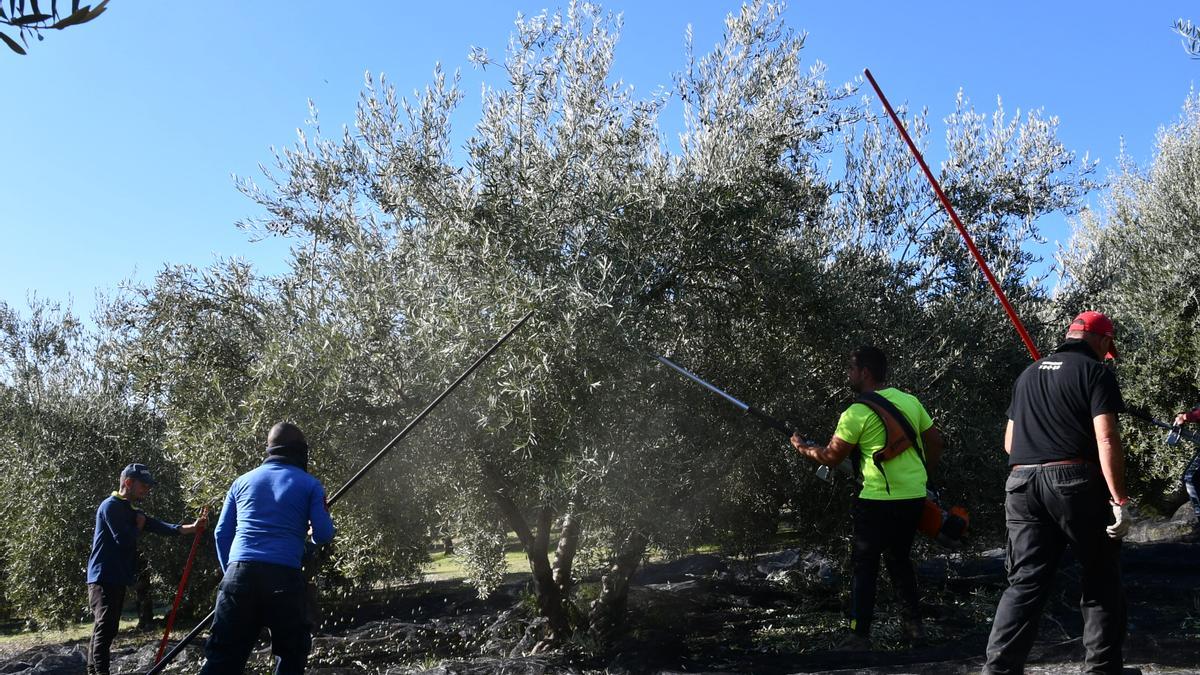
[138, 471]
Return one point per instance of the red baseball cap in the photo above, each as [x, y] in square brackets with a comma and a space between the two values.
[1098, 324]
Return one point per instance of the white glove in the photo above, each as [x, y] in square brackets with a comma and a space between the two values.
[1121, 521]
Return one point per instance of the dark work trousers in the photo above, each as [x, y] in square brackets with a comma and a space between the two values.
[883, 528]
[1191, 482]
[253, 595]
[105, 601]
[1047, 508]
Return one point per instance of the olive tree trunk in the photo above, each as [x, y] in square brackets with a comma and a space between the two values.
[608, 609]
[564, 554]
[536, 543]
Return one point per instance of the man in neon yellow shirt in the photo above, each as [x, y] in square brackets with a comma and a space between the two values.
[894, 473]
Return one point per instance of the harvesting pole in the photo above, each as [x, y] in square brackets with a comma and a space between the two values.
[825, 473]
[1176, 431]
[937, 189]
[428, 409]
[162, 662]
[187, 570]
[766, 419]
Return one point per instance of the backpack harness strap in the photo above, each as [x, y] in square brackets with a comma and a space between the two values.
[899, 434]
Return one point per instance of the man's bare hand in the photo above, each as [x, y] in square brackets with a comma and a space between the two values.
[196, 526]
[141, 521]
[797, 441]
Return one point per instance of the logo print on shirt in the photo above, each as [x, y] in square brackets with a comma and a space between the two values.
[1049, 365]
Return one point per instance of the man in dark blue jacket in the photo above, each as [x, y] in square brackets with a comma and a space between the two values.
[267, 517]
[119, 523]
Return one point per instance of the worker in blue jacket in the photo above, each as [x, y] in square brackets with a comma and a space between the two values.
[119, 524]
[268, 516]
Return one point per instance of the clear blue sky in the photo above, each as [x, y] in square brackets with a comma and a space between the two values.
[121, 136]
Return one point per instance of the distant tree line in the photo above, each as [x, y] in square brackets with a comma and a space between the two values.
[785, 227]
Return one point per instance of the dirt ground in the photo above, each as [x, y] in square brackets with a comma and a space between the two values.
[777, 613]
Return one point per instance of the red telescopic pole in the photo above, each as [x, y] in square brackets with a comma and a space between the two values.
[187, 569]
[1012, 314]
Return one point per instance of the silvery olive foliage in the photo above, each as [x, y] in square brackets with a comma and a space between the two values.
[1190, 36]
[915, 289]
[223, 355]
[67, 428]
[1136, 259]
[736, 254]
[735, 248]
[568, 202]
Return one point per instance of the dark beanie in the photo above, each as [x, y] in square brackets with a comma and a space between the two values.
[286, 440]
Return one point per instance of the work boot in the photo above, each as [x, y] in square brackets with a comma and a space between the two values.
[853, 642]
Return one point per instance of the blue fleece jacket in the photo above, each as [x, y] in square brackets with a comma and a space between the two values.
[114, 543]
[267, 514]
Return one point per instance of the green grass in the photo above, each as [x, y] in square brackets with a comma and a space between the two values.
[14, 643]
[443, 567]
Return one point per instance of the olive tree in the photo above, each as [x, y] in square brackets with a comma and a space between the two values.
[67, 428]
[224, 355]
[737, 255]
[912, 283]
[1135, 259]
[570, 203]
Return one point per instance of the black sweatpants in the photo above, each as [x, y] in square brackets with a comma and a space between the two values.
[883, 527]
[253, 595]
[105, 601]
[1047, 508]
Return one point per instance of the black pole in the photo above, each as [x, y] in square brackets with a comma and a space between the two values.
[825, 473]
[169, 656]
[1146, 417]
[416, 420]
[763, 417]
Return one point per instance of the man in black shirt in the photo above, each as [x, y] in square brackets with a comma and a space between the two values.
[1067, 486]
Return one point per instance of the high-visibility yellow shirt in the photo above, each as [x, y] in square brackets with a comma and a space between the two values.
[861, 427]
